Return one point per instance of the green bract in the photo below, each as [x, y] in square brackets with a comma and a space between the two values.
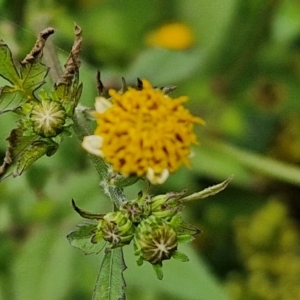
[115, 228]
[152, 223]
[48, 118]
[155, 240]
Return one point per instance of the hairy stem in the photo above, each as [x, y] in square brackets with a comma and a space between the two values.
[81, 129]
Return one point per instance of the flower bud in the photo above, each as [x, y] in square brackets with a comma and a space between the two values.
[155, 240]
[134, 211]
[48, 118]
[165, 206]
[115, 228]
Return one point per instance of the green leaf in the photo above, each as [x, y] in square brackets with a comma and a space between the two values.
[23, 151]
[110, 282]
[86, 214]
[252, 163]
[122, 181]
[185, 238]
[182, 228]
[81, 239]
[13, 99]
[158, 271]
[32, 76]
[7, 67]
[210, 191]
[180, 256]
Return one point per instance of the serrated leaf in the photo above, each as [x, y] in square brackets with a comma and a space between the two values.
[81, 239]
[32, 153]
[23, 151]
[31, 76]
[10, 99]
[110, 282]
[7, 67]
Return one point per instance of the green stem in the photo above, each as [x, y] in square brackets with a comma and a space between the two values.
[82, 129]
[259, 163]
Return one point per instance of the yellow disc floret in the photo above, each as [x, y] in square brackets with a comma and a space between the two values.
[143, 132]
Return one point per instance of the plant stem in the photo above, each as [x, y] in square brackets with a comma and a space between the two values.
[261, 164]
[81, 129]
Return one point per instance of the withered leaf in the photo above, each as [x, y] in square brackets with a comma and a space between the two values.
[37, 51]
[31, 74]
[73, 63]
[23, 151]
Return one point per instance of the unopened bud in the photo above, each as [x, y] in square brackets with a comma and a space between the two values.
[116, 228]
[155, 240]
[48, 118]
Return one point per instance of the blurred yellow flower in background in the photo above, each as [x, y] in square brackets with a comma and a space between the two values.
[174, 36]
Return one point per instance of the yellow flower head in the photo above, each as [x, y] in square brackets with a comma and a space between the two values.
[143, 132]
[174, 36]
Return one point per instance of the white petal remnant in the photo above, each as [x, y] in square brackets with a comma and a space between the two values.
[102, 104]
[145, 132]
[93, 144]
[157, 178]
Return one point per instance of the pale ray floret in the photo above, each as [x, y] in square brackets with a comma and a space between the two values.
[157, 178]
[143, 132]
[93, 144]
[102, 104]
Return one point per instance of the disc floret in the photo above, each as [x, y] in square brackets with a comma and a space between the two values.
[143, 132]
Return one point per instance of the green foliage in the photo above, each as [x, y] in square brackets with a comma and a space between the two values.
[268, 245]
[50, 251]
[81, 238]
[110, 283]
[148, 222]
[43, 118]
[241, 76]
[29, 78]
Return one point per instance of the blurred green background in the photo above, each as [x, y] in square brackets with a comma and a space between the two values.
[239, 64]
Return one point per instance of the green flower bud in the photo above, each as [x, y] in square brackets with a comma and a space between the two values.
[134, 211]
[115, 228]
[155, 240]
[165, 206]
[48, 118]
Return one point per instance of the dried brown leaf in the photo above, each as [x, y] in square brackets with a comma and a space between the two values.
[37, 51]
[73, 63]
